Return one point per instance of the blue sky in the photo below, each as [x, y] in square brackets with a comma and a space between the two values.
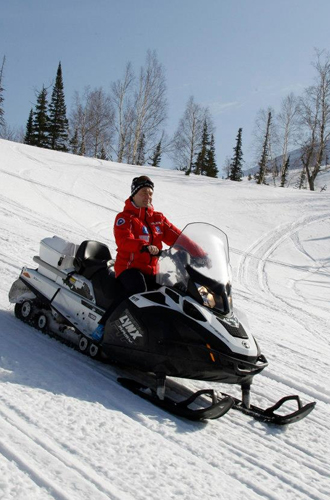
[233, 56]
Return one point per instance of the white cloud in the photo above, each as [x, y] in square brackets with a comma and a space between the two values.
[218, 108]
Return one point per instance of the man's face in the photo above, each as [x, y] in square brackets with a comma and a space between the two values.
[143, 197]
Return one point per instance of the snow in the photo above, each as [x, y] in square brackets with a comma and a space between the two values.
[69, 431]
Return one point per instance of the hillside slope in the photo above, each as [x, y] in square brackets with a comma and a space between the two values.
[67, 429]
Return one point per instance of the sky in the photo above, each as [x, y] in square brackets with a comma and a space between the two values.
[233, 57]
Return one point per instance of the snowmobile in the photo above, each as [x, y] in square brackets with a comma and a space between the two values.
[185, 328]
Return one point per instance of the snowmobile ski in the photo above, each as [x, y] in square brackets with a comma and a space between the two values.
[217, 409]
[269, 416]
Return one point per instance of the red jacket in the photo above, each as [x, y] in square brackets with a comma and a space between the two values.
[137, 227]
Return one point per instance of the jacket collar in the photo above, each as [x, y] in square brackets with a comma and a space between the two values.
[139, 212]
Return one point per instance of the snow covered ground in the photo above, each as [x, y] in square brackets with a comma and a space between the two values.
[67, 429]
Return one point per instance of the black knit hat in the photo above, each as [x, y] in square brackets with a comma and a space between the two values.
[139, 183]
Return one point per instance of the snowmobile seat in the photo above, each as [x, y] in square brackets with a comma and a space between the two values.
[91, 261]
[91, 256]
[105, 287]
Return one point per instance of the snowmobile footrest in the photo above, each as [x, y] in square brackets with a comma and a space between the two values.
[268, 415]
[216, 409]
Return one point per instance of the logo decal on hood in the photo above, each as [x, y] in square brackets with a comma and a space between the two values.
[128, 329]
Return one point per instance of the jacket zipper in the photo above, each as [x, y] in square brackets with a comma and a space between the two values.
[150, 231]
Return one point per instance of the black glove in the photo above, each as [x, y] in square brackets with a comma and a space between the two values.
[145, 249]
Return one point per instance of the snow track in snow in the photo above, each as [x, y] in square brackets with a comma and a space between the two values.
[253, 275]
[48, 465]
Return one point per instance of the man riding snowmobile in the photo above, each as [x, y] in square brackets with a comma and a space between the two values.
[139, 233]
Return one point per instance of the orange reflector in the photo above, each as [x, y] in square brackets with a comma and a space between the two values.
[26, 274]
[211, 353]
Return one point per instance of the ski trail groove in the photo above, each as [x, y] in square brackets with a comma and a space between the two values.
[49, 457]
[252, 272]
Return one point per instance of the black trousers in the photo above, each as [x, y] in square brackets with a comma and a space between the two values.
[128, 283]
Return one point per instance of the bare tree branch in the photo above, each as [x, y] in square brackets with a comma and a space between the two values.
[315, 118]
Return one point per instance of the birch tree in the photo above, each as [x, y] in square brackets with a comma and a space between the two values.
[150, 105]
[92, 120]
[315, 119]
[100, 120]
[265, 129]
[287, 121]
[78, 122]
[2, 112]
[188, 137]
[123, 108]
[140, 106]
[227, 167]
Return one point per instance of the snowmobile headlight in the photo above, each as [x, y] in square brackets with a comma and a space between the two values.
[207, 297]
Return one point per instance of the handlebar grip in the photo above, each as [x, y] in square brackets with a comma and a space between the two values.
[145, 249]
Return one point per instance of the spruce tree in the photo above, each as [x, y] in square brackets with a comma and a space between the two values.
[41, 121]
[58, 123]
[211, 167]
[141, 150]
[29, 137]
[237, 160]
[156, 157]
[284, 172]
[200, 166]
[265, 152]
[102, 155]
[82, 148]
[74, 143]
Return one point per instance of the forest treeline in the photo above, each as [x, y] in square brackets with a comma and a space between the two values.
[127, 124]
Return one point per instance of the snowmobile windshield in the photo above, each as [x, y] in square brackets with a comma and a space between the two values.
[198, 264]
